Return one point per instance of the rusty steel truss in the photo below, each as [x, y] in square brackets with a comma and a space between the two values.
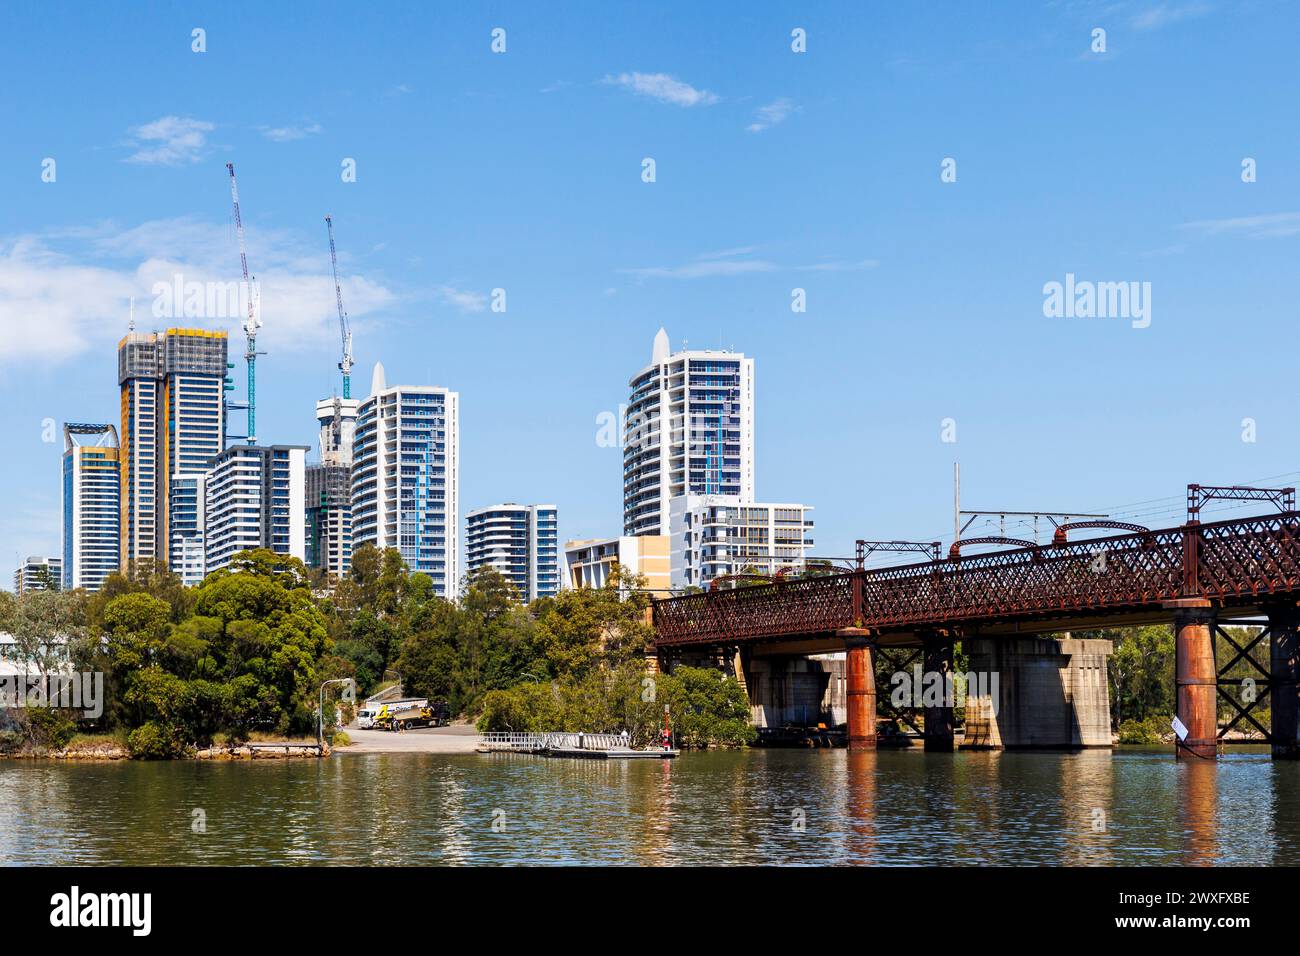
[1236, 563]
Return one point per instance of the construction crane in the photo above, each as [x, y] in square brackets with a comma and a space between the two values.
[254, 320]
[345, 365]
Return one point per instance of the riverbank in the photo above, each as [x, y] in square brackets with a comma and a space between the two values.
[456, 739]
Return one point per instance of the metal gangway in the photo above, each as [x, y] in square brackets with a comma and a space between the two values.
[518, 742]
[512, 742]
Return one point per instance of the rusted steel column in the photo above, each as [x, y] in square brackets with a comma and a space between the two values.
[938, 720]
[1283, 689]
[861, 676]
[1196, 678]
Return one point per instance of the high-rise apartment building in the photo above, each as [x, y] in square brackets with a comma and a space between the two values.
[173, 426]
[716, 535]
[92, 503]
[406, 477]
[329, 488]
[255, 498]
[520, 541]
[186, 526]
[38, 574]
[689, 430]
[329, 519]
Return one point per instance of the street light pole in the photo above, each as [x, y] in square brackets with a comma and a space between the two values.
[320, 715]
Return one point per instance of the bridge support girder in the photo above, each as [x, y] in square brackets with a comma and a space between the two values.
[939, 723]
[1196, 678]
[860, 675]
[1284, 681]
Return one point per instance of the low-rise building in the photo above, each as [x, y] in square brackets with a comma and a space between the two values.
[589, 562]
[717, 535]
[39, 574]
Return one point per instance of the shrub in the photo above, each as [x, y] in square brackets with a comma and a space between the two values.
[50, 728]
[152, 741]
[1152, 730]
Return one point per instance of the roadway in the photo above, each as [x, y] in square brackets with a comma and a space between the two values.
[456, 739]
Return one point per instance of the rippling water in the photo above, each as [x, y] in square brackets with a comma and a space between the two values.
[755, 806]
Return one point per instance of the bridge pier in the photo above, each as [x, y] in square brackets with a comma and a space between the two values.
[1196, 678]
[939, 723]
[1036, 693]
[860, 671]
[1284, 681]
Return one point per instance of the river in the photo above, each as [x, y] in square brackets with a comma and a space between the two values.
[742, 807]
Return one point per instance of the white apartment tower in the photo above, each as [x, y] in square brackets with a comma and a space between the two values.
[254, 497]
[406, 477]
[92, 503]
[520, 541]
[689, 430]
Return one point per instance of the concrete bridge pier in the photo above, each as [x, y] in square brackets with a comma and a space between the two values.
[1196, 678]
[1284, 681]
[939, 723]
[1036, 693]
[860, 674]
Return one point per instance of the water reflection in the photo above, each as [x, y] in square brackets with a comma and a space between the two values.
[1092, 808]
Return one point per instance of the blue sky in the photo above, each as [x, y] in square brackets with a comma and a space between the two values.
[774, 171]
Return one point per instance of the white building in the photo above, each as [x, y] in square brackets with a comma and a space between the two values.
[38, 574]
[406, 477]
[92, 505]
[589, 562]
[716, 535]
[187, 508]
[255, 498]
[689, 430]
[520, 541]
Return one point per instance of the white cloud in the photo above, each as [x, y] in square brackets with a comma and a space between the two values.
[65, 291]
[1271, 226]
[1164, 14]
[52, 306]
[770, 115]
[664, 88]
[170, 141]
[726, 263]
[727, 253]
[463, 299]
[285, 134]
[703, 269]
[840, 265]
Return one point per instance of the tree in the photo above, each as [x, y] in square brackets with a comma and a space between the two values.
[47, 626]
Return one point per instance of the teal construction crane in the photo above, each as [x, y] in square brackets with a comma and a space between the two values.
[254, 320]
[345, 364]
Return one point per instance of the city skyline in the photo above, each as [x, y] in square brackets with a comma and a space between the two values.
[774, 171]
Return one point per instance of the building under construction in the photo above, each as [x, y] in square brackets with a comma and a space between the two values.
[173, 427]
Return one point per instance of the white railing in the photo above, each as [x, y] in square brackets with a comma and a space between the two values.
[517, 742]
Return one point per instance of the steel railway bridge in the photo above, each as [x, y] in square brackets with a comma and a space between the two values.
[1195, 576]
